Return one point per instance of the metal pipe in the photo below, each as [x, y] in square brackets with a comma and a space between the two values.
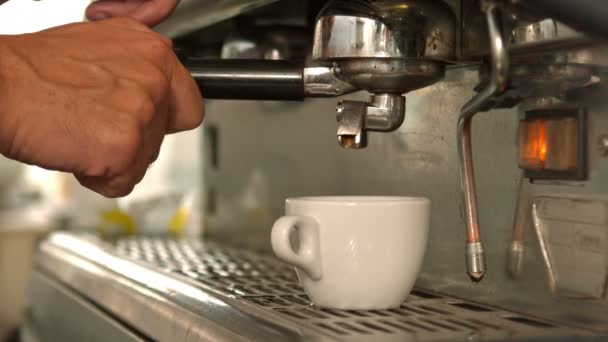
[515, 253]
[498, 81]
[544, 250]
[248, 79]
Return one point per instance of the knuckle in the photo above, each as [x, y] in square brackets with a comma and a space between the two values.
[138, 101]
[125, 144]
[131, 138]
[144, 109]
[159, 47]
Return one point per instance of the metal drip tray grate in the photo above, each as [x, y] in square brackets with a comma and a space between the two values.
[264, 283]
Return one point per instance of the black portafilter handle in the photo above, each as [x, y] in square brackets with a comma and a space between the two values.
[247, 79]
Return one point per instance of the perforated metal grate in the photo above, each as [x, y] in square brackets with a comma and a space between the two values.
[264, 282]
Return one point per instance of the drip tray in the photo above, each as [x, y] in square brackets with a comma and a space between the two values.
[259, 290]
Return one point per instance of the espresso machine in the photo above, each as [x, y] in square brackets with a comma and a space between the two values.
[371, 97]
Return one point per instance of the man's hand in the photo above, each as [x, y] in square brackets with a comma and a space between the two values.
[148, 12]
[93, 99]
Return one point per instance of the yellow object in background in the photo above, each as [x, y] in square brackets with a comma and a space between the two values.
[116, 222]
[168, 214]
[178, 222]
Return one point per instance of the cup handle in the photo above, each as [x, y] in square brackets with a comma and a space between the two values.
[307, 257]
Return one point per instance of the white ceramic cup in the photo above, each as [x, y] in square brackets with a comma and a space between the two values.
[354, 252]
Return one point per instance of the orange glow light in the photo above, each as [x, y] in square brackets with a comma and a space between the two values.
[533, 146]
[542, 141]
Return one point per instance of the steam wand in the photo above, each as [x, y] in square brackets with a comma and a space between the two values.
[483, 101]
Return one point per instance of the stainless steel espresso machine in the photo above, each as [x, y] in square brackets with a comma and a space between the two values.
[518, 249]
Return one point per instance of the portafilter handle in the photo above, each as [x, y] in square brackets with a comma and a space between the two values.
[248, 79]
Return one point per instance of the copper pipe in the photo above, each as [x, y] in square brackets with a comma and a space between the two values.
[468, 181]
[522, 211]
[475, 255]
[515, 253]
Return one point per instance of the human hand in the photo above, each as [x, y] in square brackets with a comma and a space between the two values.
[93, 99]
[148, 12]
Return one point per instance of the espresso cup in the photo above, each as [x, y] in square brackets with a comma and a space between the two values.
[354, 252]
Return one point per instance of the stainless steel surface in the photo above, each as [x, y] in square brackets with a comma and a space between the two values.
[57, 313]
[388, 48]
[534, 32]
[586, 15]
[252, 177]
[249, 40]
[193, 15]
[248, 79]
[538, 228]
[573, 237]
[476, 261]
[409, 29]
[267, 293]
[545, 85]
[389, 75]
[497, 84]
[159, 305]
[385, 113]
[351, 124]
[241, 48]
[420, 159]
[321, 81]
[529, 33]
[535, 79]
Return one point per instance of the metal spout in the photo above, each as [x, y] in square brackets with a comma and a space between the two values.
[351, 122]
[382, 47]
[353, 142]
[383, 113]
[476, 267]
